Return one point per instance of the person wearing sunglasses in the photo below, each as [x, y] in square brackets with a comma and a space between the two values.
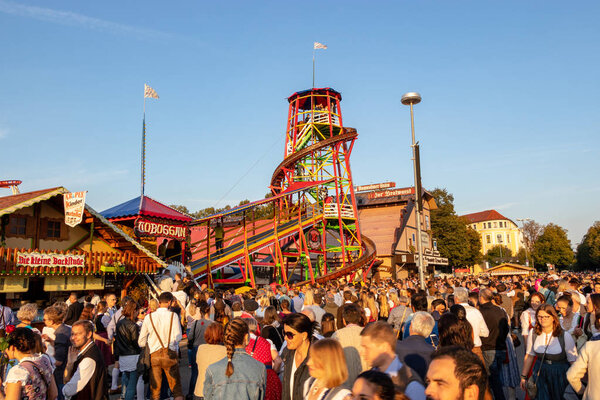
[298, 332]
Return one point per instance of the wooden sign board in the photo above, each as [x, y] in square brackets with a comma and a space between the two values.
[13, 284]
[72, 283]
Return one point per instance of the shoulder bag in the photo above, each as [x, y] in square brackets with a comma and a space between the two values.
[531, 385]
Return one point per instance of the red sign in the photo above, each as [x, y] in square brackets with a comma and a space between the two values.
[375, 186]
[389, 193]
[156, 229]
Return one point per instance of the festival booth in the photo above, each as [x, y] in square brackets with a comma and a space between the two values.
[51, 243]
[508, 269]
[159, 228]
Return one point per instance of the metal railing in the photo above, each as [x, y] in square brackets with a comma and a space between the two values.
[331, 210]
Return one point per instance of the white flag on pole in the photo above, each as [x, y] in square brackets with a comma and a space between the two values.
[149, 92]
[318, 46]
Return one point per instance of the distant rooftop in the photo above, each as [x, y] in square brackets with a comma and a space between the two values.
[487, 215]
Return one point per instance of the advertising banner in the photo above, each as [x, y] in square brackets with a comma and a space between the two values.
[375, 186]
[389, 193]
[34, 259]
[146, 227]
[74, 206]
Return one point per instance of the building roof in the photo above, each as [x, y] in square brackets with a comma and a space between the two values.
[12, 203]
[487, 215]
[149, 207]
[510, 269]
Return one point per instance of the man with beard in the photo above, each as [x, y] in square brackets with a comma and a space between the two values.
[85, 373]
[455, 374]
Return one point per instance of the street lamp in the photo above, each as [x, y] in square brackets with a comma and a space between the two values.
[410, 99]
[523, 220]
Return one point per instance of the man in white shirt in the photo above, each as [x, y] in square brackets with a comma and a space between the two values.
[378, 348]
[166, 282]
[480, 329]
[85, 373]
[161, 332]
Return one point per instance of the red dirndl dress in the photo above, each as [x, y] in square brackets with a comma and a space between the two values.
[261, 351]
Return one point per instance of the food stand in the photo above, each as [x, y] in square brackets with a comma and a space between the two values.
[52, 243]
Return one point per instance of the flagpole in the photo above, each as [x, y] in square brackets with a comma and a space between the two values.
[143, 166]
[313, 66]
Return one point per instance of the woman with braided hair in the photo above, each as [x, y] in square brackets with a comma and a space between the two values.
[237, 376]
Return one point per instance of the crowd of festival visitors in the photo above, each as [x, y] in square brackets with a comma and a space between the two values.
[380, 340]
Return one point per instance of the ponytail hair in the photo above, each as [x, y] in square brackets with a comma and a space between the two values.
[235, 332]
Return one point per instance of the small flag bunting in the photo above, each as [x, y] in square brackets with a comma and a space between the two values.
[318, 46]
[149, 92]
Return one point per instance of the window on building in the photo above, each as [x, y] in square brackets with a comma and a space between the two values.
[507, 238]
[499, 237]
[53, 230]
[495, 224]
[488, 239]
[19, 225]
[427, 222]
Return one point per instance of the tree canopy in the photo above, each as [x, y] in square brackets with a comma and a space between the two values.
[498, 254]
[260, 212]
[456, 240]
[553, 247]
[531, 232]
[588, 251]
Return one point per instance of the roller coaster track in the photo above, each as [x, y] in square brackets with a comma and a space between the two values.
[279, 174]
[369, 254]
[253, 244]
[369, 250]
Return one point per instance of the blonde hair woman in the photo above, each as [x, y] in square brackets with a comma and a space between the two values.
[384, 306]
[26, 314]
[263, 303]
[328, 370]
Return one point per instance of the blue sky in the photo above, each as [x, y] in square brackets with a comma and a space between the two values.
[509, 118]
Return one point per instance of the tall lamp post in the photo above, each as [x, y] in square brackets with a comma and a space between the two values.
[523, 220]
[409, 99]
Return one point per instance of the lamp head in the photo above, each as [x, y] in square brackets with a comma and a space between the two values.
[410, 98]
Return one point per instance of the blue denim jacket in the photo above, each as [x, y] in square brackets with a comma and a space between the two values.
[249, 379]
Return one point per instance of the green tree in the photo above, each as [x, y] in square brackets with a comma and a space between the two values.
[498, 254]
[522, 256]
[553, 247]
[588, 251]
[454, 239]
[180, 208]
[474, 241]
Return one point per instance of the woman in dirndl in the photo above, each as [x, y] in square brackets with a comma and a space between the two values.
[554, 351]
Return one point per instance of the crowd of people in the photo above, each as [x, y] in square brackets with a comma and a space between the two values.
[455, 339]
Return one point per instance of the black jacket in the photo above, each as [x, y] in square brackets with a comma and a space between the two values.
[300, 376]
[73, 313]
[126, 338]
[97, 386]
[497, 323]
[415, 352]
